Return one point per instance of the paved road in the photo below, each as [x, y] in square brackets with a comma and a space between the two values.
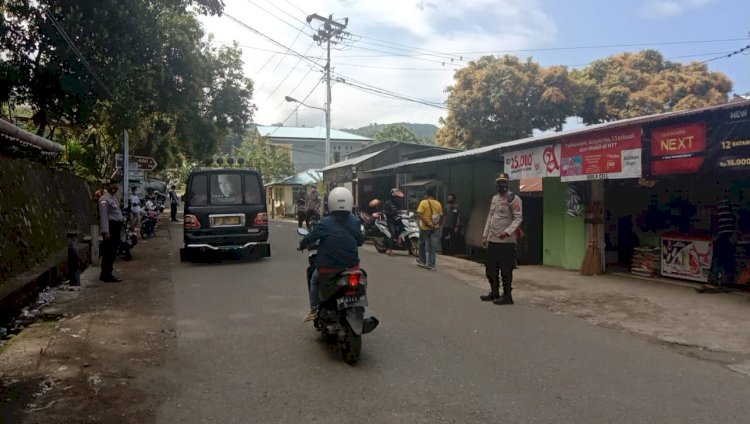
[440, 355]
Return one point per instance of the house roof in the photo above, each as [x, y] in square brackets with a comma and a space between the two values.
[531, 141]
[311, 176]
[352, 161]
[304, 133]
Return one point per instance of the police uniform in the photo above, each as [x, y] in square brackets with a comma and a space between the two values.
[504, 218]
[110, 221]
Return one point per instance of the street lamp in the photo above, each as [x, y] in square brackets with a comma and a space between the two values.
[328, 124]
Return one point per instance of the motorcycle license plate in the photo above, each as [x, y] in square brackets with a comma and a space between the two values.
[351, 301]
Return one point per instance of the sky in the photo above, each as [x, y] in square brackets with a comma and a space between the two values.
[411, 48]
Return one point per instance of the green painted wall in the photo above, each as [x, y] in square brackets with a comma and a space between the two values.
[564, 241]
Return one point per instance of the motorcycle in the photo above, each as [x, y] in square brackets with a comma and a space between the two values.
[340, 318]
[128, 240]
[407, 237]
[149, 219]
[368, 223]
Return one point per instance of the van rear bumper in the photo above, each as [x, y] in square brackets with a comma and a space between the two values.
[202, 250]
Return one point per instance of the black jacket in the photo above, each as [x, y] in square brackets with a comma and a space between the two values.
[338, 242]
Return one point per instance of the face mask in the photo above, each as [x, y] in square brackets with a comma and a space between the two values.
[501, 188]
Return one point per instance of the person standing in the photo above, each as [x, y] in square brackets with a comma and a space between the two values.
[135, 209]
[301, 202]
[110, 226]
[449, 236]
[173, 202]
[430, 217]
[393, 206]
[312, 205]
[499, 238]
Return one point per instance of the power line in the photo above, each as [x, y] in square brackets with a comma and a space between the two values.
[278, 18]
[287, 13]
[304, 78]
[78, 54]
[299, 104]
[283, 80]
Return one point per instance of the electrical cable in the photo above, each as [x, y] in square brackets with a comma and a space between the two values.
[299, 104]
[283, 80]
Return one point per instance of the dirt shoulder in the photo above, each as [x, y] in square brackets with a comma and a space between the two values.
[93, 358]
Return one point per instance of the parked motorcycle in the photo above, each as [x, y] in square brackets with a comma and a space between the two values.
[340, 318]
[368, 223]
[128, 240]
[406, 239]
[149, 219]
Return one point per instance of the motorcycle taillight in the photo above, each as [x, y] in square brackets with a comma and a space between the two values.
[354, 279]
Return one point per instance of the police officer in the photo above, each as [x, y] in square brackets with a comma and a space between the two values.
[110, 226]
[504, 218]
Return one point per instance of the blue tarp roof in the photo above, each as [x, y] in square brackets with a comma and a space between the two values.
[311, 176]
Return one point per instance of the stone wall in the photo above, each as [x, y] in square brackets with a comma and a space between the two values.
[38, 206]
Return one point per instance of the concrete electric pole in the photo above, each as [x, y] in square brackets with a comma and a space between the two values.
[330, 31]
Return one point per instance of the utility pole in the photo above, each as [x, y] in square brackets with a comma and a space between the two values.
[330, 31]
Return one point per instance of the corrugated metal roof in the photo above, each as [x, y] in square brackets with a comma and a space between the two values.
[313, 133]
[530, 141]
[352, 161]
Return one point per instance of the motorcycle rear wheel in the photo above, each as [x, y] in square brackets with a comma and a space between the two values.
[380, 244]
[414, 247]
[351, 346]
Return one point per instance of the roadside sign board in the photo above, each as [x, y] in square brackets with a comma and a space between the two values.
[144, 163]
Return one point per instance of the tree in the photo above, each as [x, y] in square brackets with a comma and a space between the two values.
[636, 84]
[499, 99]
[172, 90]
[273, 162]
[397, 133]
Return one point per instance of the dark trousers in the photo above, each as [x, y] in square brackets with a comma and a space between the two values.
[501, 257]
[173, 211]
[448, 241]
[108, 249]
[302, 218]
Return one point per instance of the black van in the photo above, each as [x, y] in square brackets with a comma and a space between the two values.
[225, 210]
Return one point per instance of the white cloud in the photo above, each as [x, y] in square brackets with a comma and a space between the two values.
[664, 9]
[437, 25]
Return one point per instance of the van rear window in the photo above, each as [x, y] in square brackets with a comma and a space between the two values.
[198, 195]
[252, 190]
[226, 189]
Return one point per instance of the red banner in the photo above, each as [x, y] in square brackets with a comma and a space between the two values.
[602, 155]
[678, 149]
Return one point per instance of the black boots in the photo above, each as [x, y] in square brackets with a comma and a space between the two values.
[505, 299]
[494, 293]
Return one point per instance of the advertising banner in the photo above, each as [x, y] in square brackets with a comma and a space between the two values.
[538, 162]
[678, 149]
[604, 155]
[732, 145]
[686, 258]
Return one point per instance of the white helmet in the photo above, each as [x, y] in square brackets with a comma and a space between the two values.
[340, 199]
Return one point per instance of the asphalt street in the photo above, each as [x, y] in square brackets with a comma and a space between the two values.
[440, 355]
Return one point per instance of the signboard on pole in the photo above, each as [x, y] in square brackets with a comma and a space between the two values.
[144, 163]
[537, 162]
[603, 155]
[733, 141]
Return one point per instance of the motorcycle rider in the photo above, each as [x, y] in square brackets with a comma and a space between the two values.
[393, 206]
[339, 235]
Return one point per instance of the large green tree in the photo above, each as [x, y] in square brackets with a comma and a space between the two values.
[496, 99]
[273, 162]
[165, 84]
[635, 84]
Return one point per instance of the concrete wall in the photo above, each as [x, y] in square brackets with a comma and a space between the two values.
[38, 206]
[564, 243]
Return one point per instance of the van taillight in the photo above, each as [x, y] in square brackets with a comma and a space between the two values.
[191, 221]
[261, 220]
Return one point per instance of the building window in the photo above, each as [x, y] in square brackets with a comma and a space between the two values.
[336, 156]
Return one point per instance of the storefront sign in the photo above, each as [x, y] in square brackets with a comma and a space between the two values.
[605, 155]
[733, 142]
[678, 149]
[538, 162]
[686, 258]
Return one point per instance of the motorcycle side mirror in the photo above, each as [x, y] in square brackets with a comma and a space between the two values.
[362, 228]
[302, 231]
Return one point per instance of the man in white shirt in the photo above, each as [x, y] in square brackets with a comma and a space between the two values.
[135, 208]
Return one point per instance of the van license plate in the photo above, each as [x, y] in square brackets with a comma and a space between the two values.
[223, 221]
